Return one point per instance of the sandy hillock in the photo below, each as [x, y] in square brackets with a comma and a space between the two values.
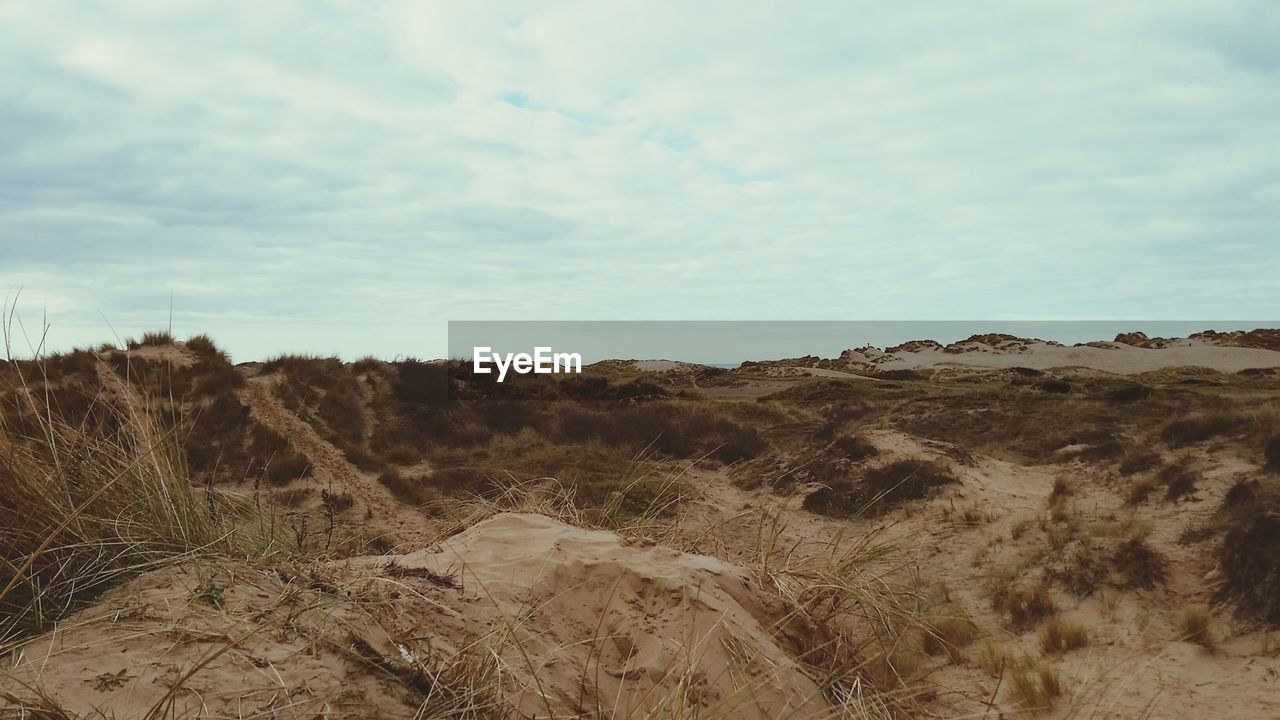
[568, 621]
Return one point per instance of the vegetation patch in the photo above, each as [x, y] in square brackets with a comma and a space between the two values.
[880, 489]
[1197, 429]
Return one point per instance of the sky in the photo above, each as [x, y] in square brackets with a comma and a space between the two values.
[345, 177]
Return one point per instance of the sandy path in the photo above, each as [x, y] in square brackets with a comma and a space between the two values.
[330, 468]
[1133, 666]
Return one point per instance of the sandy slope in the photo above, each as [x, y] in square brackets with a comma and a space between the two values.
[621, 627]
[581, 621]
[330, 468]
[1134, 666]
[1119, 359]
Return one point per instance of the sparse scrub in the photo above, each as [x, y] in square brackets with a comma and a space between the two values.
[1271, 453]
[1250, 558]
[1053, 385]
[1035, 689]
[1199, 428]
[1139, 490]
[1193, 625]
[1129, 393]
[1024, 606]
[1138, 460]
[665, 427]
[1139, 566]
[880, 488]
[1059, 635]
[1179, 481]
[412, 490]
[1061, 490]
[84, 512]
[992, 658]
[949, 635]
[152, 338]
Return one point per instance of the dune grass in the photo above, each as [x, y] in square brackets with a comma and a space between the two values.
[86, 508]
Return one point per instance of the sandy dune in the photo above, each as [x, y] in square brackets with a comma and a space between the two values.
[1118, 358]
[581, 621]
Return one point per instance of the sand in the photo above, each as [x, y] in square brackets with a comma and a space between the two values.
[1118, 359]
[581, 620]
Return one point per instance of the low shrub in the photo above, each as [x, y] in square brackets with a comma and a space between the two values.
[1188, 431]
[1250, 558]
[1053, 386]
[1271, 453]
[1136, 461]
[879, 489]
[412, 490]
[1193, 625]
[1138, 565]
[1035, 689]
[1058, 635]
[1129, 394]
[1024, 606]
[1179, 481]
[151, 338]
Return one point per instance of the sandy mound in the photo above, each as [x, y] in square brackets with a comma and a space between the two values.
[615, 626]
[566, 621]
[1119, 358]
[661, 366]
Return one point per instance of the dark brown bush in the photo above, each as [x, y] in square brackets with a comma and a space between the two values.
[413, 490]
[854, 447]
[1250, 559]
[151, 338]
[1025, 371]
[671, 429]
[1025, 606]
[1272, 453]
[1053, 386]
[466, 480]
[1129, 394]
[362, 458]
[275, 457]
[1136, 461]
[1179, 481]
[837, 416]
[287, 467]
[420, 384]
[204, 348]
[1139, 566]
[879, 488]
[903, 374]
[585, 387]
[1187, 431]
[1106, 450]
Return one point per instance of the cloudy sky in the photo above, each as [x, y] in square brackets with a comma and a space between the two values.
[346, 176]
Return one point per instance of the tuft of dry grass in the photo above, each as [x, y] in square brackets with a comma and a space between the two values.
[1035, 689]
[151, 338]
[1059, 635]
[1139, 490]
[949, 635]
[85, 510]
[1025, 605]
[1193, 624]
[1061, 490]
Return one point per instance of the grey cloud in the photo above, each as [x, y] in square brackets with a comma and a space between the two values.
[289, 168]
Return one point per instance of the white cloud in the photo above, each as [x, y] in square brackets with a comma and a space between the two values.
[290, 169]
